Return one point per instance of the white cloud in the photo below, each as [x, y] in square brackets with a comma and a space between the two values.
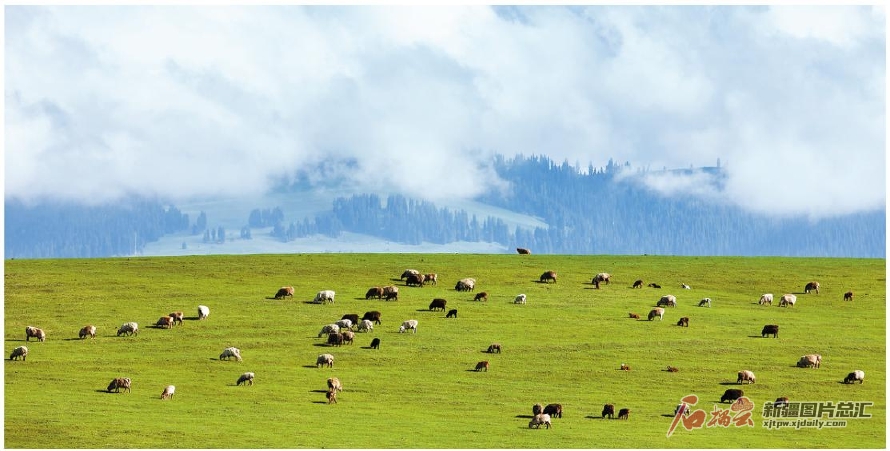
[199, 101]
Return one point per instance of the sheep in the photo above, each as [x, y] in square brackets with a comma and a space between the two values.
[246, 378]
[335, 339]
[770, 329]
[554, 410]
[334, 384]
[437, 304]
[344, 324]
[766, 298]
[624, 367]
[324, 296]
[390, 292]
[324, 360]
[483, 365]
[35, 332]
[732, 394]
[452, 313]
[481, 296]
[372, 316]
[332, 396]
[654, 285]
[165, 322]
[848, 296]
[684, 321]
[811, 286]
[284, 292]
[538, 420]
[706, 302]
[638, 283]
[609, 411]
[352, 317]
[547, 276]
[745, 376]
[623, 414]
[685, 287]
[374, 292]
[494, 348]
[523, 251]
[658, 311]
[810, 360]
[328, 329]
[667, 300]
[408, 273]
[348, 337]
[119, 383]
[519, 299]
[414, 280]
[787, 299]
[467, 284]
[781, 402]
[130, 328]
[365, 326]
[633, 315]
[87, 331]
[168, 392]
[537, 409]
[431, 278]
[857, 375]
[203, 312]
[230, 352]
[604, 277]
[409, 324]
[375, 343]
[21, 351]
[177, 317]
[672, 369]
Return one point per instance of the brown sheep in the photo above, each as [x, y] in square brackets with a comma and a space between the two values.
[812, 286]
[494, 348]
[35, 332]
[634, 315]
[672, 369]
[554, 410]
[483, 365]
[623, 414]
[548, 276]
[87, 331]
[625, 367]
[482, 296]
[165, 322]
[638, 283]
[284, 292]
[684, 321]
[374, 292]
[609, 411]
[332, 396]
[431, 278]
[848, 296]
[177, 317]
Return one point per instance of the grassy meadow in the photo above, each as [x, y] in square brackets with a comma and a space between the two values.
[418, 390]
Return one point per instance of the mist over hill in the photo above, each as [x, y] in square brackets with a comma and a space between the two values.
[545, 206]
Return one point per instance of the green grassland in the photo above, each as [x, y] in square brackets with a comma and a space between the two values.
[418, 390]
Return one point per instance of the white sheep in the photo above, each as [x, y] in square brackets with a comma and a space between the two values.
[246, 378]
[168, 392]
[344, 324]
[334, 384]
[203, 312]
[329, 329]
[87, 331]
[857, 375]
[520, 299]
[230, 352]
[538, 420]
[409, 324]
[21, 351]
[324, 296]
[130, 328]
[365, 326]
[324, 360]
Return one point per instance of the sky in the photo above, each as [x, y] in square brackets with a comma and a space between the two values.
[188, 102]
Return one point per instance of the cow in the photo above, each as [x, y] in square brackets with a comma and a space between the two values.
[810, 361]
[452, 313]
[848, 296]
[609, 411]
[494, 348]
[857, 375]
[375, 343]
[431, 278]
[684, 321]
[374, 292]
[391, 292]
[324, 296]
[787, 299]
[667, 300]
[637, 284]
[548, 276]
[706, 302]
[604, 277]
[467, 284]
[523, 251]
[732, 394]
[654, 285]
[483, 365]
[811, 286]
[623, 414]
[745, 376]
[481, 296]
[554, 410]
[284, 292]
[437, 304]
[87, 331]
[770, 329]
[414, 280]
[165, 322]
[373, 315]
[658, 311]
[408, 272]
[766, 298]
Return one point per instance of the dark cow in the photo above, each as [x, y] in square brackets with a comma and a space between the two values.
[437, 304]
[373, 315]
[684, 321]
[654, 285]
[770, 329]
[638, 283]
[523, 251]
[284, 292]
[483, 365]
[548, 276]
[554, 410]
[811, 286]
[848, 296]
[495, 348]
[375, 343]
[623, 414]
[414, 280]
[483, 296]
[335, 339]
[452, 313]
[609, 411]
[374, 292]
[732, 394]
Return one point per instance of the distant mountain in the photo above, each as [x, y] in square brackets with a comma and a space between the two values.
[549, 208]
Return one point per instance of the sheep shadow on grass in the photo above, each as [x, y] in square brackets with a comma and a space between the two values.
[310, 366]
[731, 383]
[525, 416]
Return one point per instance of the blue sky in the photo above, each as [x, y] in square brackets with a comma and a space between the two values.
[219, 101]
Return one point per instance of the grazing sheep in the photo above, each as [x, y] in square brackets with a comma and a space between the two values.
[857, 375]
[667, 300]
[246, 379]
[519, 299]
[672, 369]
[177, 317]
[414, 280]
[165, 322]
[494, 348]
[732, 394]
[781, 402]
[324, 360]
[625, 367]
[334, 384]
[335, 339]
[374, 292]
[848, 296]
[609, 411]
[554, 410]
[481, 296]
[452, 313]
[365, 326]
[537, 409]
[119, 383]
[604, 277]
[706, 302]
[658, 311]
[787, 300]
[408, 273]
[637, 284]
[332, 396]
[130, 328]
[623, 414]
[284, 292]
[375, 343]
[633, 315]
[811, 286]
[352, 317]
[431, 278]
[548, 276]
[324, 296]
[684, 321]
[810, 361]
[328, 329]
[372, 316]
[437, 304]
[766, 298]
[770, 329]
[348, 337]
[168, 392]
[685, 287]
[390, 292]
[203, 312]
[409, 324]
[538, 420]
[745, 376]
[344, 324]
[468, 284]
[35, 332]
[21, 351]
[654, 285]
[230, 352]
[87, 331]
[523, 251]
[483, 365]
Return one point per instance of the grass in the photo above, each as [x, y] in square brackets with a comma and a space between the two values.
[418, 390]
